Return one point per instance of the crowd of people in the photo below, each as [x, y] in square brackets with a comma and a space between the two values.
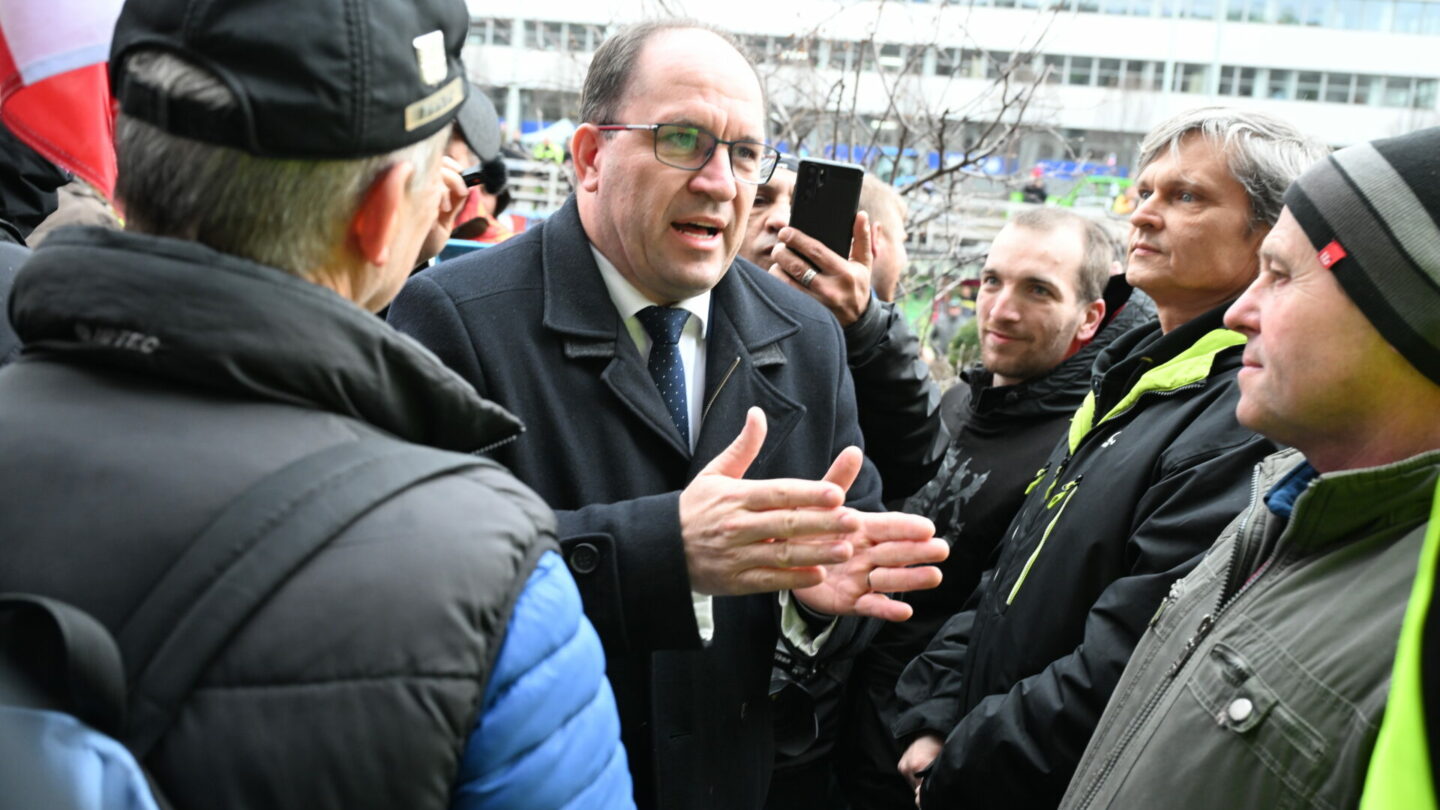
[583, 520]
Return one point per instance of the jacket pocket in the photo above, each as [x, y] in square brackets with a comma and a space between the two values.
[1267, 706]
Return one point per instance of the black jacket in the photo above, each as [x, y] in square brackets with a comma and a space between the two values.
[1017, 682]
[899, 404]
[530, 323]
[160, 380]
[1005, 436]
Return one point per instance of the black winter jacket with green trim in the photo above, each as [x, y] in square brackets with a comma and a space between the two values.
[1017, 682]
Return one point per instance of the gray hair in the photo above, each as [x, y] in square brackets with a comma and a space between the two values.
[613, 66]
[1264, 153]
[1099, 248]
[289, 214]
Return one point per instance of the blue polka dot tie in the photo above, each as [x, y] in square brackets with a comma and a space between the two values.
[666, 368]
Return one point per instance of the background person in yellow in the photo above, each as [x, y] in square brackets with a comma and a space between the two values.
[1263, 676]
[1402, 770]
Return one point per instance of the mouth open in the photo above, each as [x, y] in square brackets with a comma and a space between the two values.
[696, 229]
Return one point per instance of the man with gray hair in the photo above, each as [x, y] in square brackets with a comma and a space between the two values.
[213, 447]
[1262, 679]
[1001, 704]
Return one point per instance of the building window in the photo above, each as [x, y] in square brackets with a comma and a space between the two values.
[1108, 74]
[1279, 84]
[1367, 89]
[1237, 81]
[502, 32]
[947, 61]
[1426, 91]
[998, 64]
[1055, 67]
[1307, 86]
[839, 51]
[542, 36]
[1200, 9]
[1430, 23]
[1190, 78]
[1317, 13]
[1397, 92]
[1080, 69]
[1337, 87]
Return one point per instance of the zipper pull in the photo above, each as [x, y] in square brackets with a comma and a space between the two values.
[1039, 476]
[1201, 631]
[1171, 598]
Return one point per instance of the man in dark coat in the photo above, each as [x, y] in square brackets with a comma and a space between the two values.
[1000, 705]
[678, 558]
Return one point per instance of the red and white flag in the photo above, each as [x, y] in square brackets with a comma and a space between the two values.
[54, 86]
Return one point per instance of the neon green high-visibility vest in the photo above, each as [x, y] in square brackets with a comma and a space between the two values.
[1399, 775]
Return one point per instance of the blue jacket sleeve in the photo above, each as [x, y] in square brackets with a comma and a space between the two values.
[548, 735]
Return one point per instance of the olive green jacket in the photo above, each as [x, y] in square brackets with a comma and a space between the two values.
[1262, 679]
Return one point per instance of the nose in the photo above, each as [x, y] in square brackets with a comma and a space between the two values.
[1002, 305]
[1147, 214]
[715, 179]
[778, 216]
[1244, 315]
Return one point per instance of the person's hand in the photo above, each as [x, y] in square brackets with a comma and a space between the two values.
[917, 758]
[745, 536]
[452, 198]
[842, 286]
[885, 545]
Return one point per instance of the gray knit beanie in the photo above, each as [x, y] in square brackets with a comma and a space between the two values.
[1373, 212]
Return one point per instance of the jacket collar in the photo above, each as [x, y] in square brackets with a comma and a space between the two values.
[180, 311]
[1154, 362]
[1336, 506]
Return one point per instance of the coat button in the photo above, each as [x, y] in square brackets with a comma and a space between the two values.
[1239, 710]
[584, 558]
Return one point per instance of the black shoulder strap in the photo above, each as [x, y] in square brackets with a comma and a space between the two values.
[255, 544]
[58, 657]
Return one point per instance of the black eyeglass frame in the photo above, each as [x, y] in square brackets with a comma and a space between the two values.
[769, 155]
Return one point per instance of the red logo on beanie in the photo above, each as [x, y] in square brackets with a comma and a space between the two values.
[1331, 254]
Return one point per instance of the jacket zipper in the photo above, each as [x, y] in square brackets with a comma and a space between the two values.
[1066, 492]
[498, 444]
[1207, 623]
[1069, 489]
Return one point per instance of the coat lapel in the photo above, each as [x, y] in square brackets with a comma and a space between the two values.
[577, 305]
[746, 328]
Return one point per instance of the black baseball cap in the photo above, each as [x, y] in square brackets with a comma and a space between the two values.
[479, 125]
[315, 79]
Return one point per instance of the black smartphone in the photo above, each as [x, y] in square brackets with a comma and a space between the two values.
[827, 196]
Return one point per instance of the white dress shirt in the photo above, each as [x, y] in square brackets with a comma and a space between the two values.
[628, 301]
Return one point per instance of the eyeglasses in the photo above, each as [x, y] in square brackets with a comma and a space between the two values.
[690, 148]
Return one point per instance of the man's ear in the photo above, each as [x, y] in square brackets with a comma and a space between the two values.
[375, 222]
[1094, 314]
[585, 152]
